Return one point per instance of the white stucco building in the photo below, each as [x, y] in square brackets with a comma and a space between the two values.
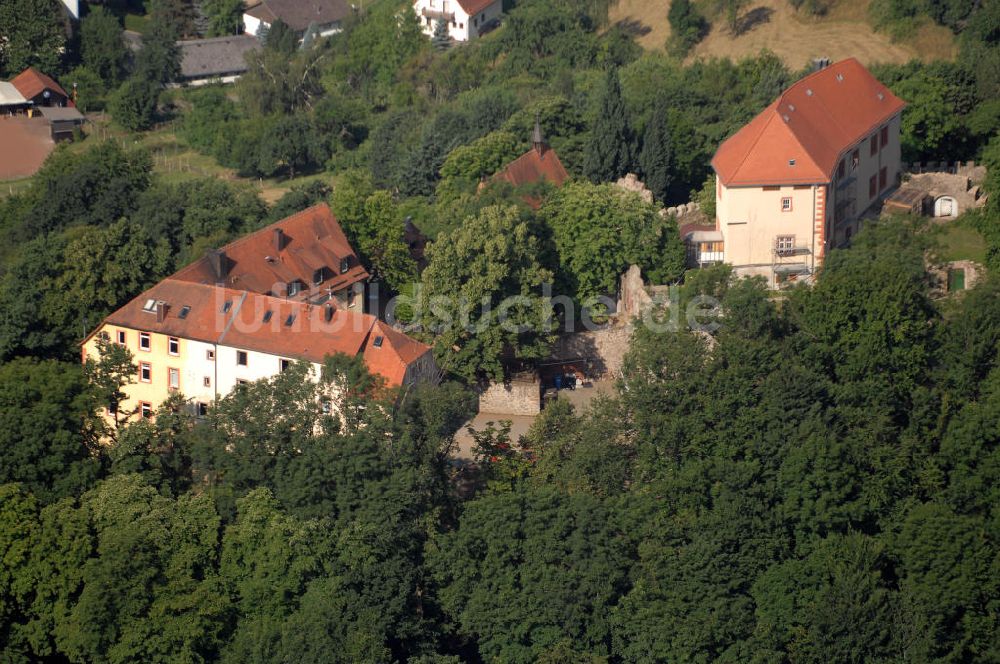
[466, 19]
[797, 180]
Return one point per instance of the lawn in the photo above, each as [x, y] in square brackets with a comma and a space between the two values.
[175, 161]
[136, 22]
[11, 187]
[958, 242]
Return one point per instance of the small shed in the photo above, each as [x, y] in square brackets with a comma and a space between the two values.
[62, 120]
[11, 99]
[945, 206]
[908, 200]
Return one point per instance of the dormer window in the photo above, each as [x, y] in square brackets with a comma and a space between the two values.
[318, 277]
[345, 265]
[293, 288]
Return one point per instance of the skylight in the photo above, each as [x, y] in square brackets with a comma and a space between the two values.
[183, 313]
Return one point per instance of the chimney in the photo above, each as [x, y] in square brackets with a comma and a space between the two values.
[161, 311]
[279, 239]
[820, 63]
[328, 312]
[537, 141]
[217, 259]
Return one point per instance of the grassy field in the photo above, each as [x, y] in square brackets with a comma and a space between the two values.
[794, 36]
[173, 160]
[958, 242]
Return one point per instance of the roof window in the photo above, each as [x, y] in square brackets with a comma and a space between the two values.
[840, 78]
[183, 313]
[791, 162]
[791, 107]
[227, 306]
[289, 320]
[267, 315]
[378, 342]
[809, 92]
[881, 96]
[149, 306]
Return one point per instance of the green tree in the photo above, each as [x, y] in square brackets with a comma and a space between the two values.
[102, 45]
[280, 38]
[598, 230]
[611, 148]
[33, 36]
[290, 144]
[441, 39]
[49, 431]
[159, 59]
[134, 105]
[563, 558]
[481, 296]
[280, 83]
[656, 157]
[225, 17]
[152, 590]
[687, 26]
[108, 374]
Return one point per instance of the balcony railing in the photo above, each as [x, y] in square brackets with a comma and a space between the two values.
[438, 14]
[710, 256]
[784, 252]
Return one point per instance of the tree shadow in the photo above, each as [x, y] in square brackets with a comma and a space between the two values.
[633, 28]
[753, 18]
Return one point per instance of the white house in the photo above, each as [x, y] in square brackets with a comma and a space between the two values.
[466, 19]
[327, 15]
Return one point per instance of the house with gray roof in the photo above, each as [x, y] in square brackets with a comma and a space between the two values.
[327, 15]
[216, 59]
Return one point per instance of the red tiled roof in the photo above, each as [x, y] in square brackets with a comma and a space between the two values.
[801, 136]
[534, 166]
[309, 336]
[204, 321]
[472, 7]
[394, 354]
[312, 239]
[31, 83]
[295, 329]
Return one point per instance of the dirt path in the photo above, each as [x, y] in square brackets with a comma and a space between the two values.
[24, 145]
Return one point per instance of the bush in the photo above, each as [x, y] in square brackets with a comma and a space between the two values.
[688, 26]
[134, 105]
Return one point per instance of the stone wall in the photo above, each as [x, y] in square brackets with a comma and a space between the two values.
[633, 298]
[603, 350]
[977, 173]
[519, 396]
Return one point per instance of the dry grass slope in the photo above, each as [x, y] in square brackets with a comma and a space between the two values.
[795, 37]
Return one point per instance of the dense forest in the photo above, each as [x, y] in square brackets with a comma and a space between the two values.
[815, 481]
